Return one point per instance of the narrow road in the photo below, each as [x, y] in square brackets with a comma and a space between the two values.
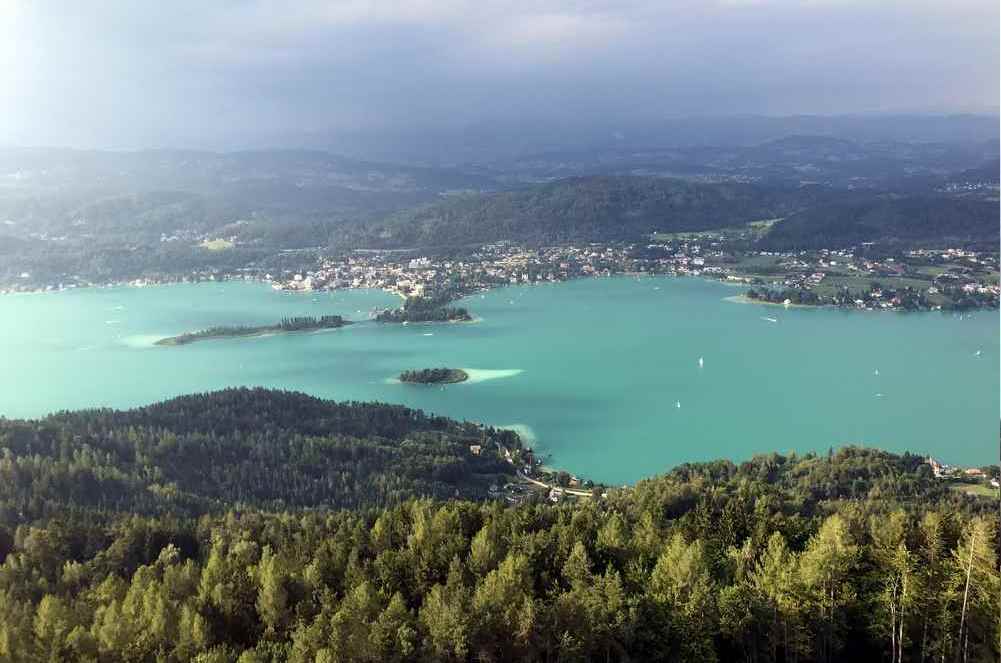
[569, 491]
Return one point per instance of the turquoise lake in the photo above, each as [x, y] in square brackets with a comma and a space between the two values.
[603, 374]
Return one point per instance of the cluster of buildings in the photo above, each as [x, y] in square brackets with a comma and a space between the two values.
[490, 266]
[536, 482]
[166, 279]
[948, 273]
[945, 471]
[505, 263]
[919, 279]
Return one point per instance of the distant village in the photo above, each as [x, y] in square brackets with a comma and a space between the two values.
[960, 277]
[918, 279]
[973, 475]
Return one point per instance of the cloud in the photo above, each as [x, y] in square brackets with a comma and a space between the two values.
[192, 72]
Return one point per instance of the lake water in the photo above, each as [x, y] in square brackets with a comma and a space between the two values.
[603, 374]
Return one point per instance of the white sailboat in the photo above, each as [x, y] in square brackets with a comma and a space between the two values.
[701, 362]
[678, 404]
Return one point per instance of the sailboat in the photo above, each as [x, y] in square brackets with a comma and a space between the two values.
[678, 404]
[876, 372]
[701, 362]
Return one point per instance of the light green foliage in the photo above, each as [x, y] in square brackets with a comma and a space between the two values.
[778, 559]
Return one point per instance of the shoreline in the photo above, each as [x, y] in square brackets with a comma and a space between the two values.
[741, 298]
[744, 299]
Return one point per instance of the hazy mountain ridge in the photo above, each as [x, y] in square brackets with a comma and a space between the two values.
[627, 208]
[580, 209]
[78, 216]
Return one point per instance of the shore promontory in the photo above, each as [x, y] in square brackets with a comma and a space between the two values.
[287, 325]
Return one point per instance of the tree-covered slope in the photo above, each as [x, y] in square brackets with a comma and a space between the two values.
[936, 220]
[857, 556]
[250, 447]
[600, 208]
[579, 209]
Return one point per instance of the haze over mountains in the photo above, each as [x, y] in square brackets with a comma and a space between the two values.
[109, 215]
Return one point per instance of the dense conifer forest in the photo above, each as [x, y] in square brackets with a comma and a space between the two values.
[193, 530]
[239, 447]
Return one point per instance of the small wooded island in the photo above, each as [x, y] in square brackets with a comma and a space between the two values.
[286, 325]
[434, 376]
[425, 309]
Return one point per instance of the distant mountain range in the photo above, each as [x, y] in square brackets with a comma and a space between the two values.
[67, 215]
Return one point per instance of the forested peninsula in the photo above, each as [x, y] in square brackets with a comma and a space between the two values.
[252, 525]
[286, 325]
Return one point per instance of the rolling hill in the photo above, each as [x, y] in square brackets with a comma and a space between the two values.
[579, 209]
[601, 208]
[910, 219]
[268, 449]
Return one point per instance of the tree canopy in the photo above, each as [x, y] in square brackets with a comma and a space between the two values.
[856, 554]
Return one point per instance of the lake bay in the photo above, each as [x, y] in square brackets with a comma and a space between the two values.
[603, 374]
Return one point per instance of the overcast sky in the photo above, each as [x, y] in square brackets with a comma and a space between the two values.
[135, 73]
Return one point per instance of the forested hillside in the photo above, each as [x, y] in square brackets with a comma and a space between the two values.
[938, 220]
[857, 554]
[580, 209]
[586, 209]
[255, 448]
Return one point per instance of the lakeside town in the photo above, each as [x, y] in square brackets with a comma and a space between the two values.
[866, 276]
[923, 279]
